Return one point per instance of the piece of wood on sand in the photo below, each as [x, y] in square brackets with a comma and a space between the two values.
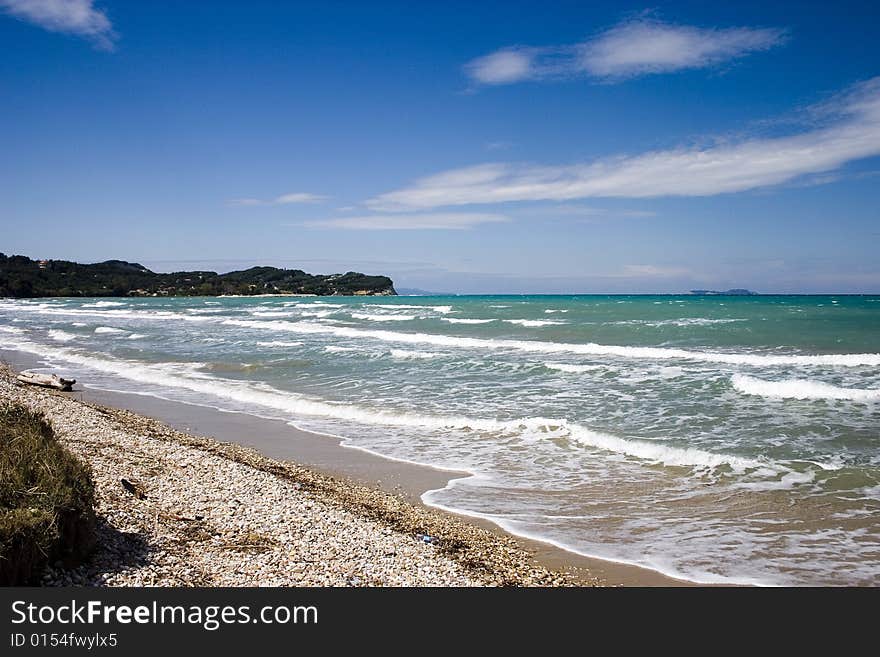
[46, 380]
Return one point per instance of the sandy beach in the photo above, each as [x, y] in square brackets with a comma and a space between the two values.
[215, 514]
[273, 505]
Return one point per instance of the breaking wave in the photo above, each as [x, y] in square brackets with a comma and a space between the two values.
[462, 320]
[109, 329]
[403, 354]
[572, 369]
[61, 336]
[383, 318]
[534, 323]
[800, 389]
[184, 376]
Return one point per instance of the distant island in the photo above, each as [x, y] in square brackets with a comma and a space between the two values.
[737, 292]
[21, 277]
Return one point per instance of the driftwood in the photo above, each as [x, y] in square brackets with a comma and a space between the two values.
[46, 380]
[133, 488]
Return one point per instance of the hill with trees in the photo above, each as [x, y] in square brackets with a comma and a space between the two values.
[22, 277]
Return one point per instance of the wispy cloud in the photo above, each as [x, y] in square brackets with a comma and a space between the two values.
[299, 197]
[284, 199]
[849, 130]
[644, 47]
[421, 221]
[78, 17]
[637, 47]
[509, 65]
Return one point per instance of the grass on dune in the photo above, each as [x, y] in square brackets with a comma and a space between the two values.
[46, 499]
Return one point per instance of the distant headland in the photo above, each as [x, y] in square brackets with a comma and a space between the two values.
[22, 277]
[736, 292]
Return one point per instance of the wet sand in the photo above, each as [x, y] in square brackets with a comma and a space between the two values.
[278, 440]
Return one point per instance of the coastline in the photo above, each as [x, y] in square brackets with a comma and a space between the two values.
[326, 456]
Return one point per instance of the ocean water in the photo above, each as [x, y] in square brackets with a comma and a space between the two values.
[716, 439]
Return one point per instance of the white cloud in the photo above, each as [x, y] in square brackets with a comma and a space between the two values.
[850, 131]
[299, 197]
[426, 221]
[78, 17]
[644, 47]
[504, 66]
[518, 64]
[638, 47]
[284, 199]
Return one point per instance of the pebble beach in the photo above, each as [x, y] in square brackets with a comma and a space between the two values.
[196, 512]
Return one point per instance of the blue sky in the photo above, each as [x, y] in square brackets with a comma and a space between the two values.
[515, 147]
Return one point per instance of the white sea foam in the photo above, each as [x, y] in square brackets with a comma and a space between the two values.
[61, 336]
[269, 313]
[661, 453]
[550, 311]
[787, 481]
[279, 343]
[462, 320]
[534, 323]
[403, 354]
[800, 389]
[704, 321]
[670, 372]
[542, 347]
[109, 329]
[11, 329]
[136, 336]
[313, 304]
[397, 306]
[103, 304]
[572, 369]
[440, 309]
[640, 376]
[317, 313]
[684, 321]
[333, 349]
[383, 318]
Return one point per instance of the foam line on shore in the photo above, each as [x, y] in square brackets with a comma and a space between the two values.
[429, 498]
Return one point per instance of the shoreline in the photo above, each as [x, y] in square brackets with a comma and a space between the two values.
[324, 454]
[177, 509]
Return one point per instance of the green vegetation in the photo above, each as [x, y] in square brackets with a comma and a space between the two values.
[46, 499]
[22, 277]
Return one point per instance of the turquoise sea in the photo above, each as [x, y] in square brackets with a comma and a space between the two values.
[713, 438]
